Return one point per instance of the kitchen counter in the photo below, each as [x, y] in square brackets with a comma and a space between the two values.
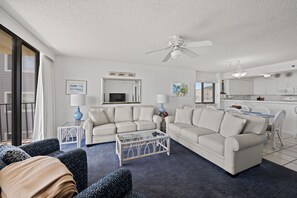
[264, 101]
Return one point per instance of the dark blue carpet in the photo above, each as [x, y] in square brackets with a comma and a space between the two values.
[186, 174]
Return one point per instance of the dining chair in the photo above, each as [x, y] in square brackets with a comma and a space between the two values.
[276, 127]
[245, 108]
[261, 109]
[233, 110]
[209, 107]
[185, 106]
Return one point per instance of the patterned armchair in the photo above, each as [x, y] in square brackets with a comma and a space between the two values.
[115, 185]
[75, 160]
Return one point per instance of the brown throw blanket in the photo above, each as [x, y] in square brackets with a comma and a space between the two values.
[40, 176]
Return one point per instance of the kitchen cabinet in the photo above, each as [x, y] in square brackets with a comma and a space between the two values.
[239, 86]
[271, 86]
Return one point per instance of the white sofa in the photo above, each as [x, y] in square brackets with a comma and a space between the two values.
[105, 122]
[232, 141]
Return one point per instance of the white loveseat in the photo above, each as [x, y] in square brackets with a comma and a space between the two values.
[232, 141]
[105, 122]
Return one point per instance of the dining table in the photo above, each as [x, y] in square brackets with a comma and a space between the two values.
[259, 114]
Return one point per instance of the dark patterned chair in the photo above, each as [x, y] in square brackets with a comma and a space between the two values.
[115, 185]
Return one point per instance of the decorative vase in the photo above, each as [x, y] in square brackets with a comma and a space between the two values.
[78, 115]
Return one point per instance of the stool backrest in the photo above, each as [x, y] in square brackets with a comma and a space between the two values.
[278, 120]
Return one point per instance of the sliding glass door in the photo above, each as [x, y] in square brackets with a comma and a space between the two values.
[5, 86]
[19, 64]
[28, 92]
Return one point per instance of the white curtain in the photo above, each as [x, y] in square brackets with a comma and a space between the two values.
[44, 119]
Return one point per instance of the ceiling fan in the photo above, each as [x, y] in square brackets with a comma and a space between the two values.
[178, 47]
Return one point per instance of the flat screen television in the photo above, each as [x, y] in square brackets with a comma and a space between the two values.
[117, 97]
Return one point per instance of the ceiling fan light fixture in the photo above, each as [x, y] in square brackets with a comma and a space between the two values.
[176, 53]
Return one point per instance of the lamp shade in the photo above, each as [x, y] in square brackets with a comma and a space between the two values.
[162, 99]
[77, 99]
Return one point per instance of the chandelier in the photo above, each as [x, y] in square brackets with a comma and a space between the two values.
[238, 70]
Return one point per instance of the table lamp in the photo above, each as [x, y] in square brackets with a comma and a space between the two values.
[77, 100]
[161, 99]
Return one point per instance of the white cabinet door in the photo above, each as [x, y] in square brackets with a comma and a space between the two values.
[239, 87]
[247, 87]
[234, 87]
[271, 86]
[259, 86]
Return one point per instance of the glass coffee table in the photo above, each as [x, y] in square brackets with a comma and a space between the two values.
[135, 145]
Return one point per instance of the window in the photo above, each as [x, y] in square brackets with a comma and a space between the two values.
[28, 61]
[205, 92]
[7, 62]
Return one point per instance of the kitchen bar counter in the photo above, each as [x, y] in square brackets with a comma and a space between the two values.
[263, 102]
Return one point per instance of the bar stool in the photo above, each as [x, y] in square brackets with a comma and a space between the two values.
[276, 127]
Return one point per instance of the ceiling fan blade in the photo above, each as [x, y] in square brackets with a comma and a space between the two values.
[189, 52]
[166, 48]
[167, 57]
[199, 44]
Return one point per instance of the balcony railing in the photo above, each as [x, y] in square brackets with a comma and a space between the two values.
[28, 110]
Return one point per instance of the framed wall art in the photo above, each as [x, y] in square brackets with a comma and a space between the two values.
[76, 87]
[180, 89]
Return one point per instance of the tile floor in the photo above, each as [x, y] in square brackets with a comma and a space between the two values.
[286, 155]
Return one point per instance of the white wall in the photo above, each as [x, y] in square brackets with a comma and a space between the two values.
[154, 80]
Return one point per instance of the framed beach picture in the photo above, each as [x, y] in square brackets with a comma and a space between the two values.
[76, 87]
[180, 89]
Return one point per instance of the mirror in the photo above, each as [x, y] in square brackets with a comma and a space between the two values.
[120, 90]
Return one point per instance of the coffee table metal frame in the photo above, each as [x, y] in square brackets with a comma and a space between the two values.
[141, 147]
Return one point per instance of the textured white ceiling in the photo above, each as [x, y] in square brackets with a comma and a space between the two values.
[257, 32]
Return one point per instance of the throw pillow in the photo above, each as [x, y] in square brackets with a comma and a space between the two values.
[231, 125]
[211, 119]
[123, 114]
[9, 148]
[13, 156]
[146, 114]
[254, 124]
[98, 117]
[196, 116]
[109, 112]
[183, 116]
[136, 111]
